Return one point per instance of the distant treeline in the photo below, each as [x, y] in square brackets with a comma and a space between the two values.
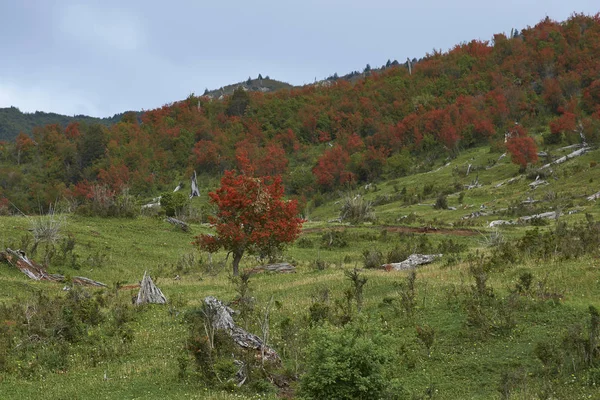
[13, 121]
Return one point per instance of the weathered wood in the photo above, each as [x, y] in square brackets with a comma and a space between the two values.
[412, 262]
[594, 197]
[546, 215]
[475, 214]
[500, 222]
[149, 293]
[569, 156]
[475, 184]
[221, 318]
[536, 183]
[279, 267]
[35, 271]
[194, 191]
[180, 224]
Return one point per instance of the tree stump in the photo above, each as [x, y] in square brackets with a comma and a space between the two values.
[149, 293]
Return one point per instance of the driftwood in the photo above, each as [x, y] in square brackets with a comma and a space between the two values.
[412, 262]
[280, 267]
[221, 318]
[38, 272]
[149, 293]
[180, 224]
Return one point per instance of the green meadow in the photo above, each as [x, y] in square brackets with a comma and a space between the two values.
[496, 316]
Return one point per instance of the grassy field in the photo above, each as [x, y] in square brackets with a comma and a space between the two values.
[469, 358]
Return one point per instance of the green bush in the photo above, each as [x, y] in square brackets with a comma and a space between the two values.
[173, 203]
[346, 363]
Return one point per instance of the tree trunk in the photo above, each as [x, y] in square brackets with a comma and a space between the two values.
[237, 257]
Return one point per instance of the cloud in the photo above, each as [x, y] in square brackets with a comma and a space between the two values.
[47, 98]
[114, 29]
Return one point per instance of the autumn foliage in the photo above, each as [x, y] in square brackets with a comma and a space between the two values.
[342, 132]
[252, 216]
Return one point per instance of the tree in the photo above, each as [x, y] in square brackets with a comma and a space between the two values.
[523, 151]
[251, 217]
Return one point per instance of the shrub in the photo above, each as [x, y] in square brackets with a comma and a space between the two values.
[441, 203]
[334, 239]
[372, 258]
[345, 364]
[173, 203]
[356, 209]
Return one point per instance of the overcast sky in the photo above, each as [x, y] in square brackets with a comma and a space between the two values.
[105, 57]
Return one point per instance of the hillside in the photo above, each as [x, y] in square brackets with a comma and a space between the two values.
[484, 158]
[13, 121]
[540, 89]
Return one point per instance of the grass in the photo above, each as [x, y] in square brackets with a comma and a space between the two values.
[462, 363]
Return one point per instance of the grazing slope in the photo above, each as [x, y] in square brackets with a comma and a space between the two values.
[415, 163]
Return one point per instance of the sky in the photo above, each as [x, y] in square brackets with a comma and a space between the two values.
[99, 58]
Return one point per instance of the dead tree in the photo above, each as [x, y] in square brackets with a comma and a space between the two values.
[222, 319]
[37, 272]
[194, 192]
[149, 293]
[178, 223]
[412, 262]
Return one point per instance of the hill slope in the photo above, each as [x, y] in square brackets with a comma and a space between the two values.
[13, 121]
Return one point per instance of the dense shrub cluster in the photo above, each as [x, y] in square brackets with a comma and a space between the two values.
[41, 334]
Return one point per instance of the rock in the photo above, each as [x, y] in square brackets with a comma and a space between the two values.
[412, 261]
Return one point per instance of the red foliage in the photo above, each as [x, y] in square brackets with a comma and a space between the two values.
[274, 161]
[116, 177]
[564, 123]
[522, 149]
[252, 216]
[331, 169]
[206, 154]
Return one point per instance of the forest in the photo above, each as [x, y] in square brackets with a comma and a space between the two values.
[543, 81]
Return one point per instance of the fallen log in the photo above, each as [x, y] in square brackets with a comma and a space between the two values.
[546, 215]
[499, 222]
[536, 183]
[412, 262]
[280, 267]
[149, 293]
[574, 154]
[221, 318]
[178, 223]
[35, 271]
[594, 197]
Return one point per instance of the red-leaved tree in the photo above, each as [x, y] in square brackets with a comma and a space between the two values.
[251, 216]
[522, 150]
